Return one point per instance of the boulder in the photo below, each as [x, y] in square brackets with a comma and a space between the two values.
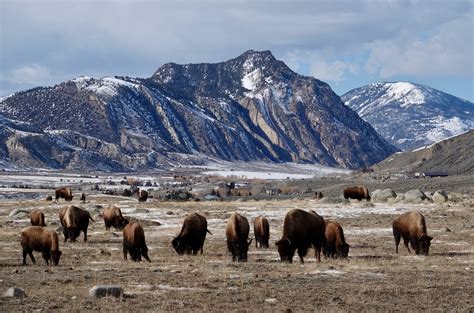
[440, 196]
[106, 290]
[94, 209]
[18, 214]
[414, 196]
[15, 292]
[383, 195]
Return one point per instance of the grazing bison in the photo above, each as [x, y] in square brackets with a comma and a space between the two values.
[301, 230]
[237, 233]
[357, 192]
[65, 193]
[74, 220]
[142, 195]
[134, 242]
[411, 227]
[192, 235]
[49, 198]
[37, 218]
[318, 195]
[42, 239]
[261, 229]
[335, 244]
[113, 217]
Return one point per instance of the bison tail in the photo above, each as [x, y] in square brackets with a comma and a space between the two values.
[209, 231]
[90, 217]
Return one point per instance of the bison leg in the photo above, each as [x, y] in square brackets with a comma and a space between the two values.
[145, 255]
[46, 256]
[125, 252]
[25, 252]
[405, 242]
[85, 234]
[30, 253]
[397, 237]
[415, 245]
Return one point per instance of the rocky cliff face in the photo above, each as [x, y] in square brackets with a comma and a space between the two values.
[411, 115]
[252, 107]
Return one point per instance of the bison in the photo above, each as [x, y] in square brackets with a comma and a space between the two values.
[65, 193]
[74, 220]
[37, 218]
[318, 195]
[134, 242]
[335, 244]
[411, 227]
[357, 192]
[42, 239]
[192, 235]
[142, 195]
[83, 197]
[261, 229]
[237, 233]
[113, 217]
[301, 230]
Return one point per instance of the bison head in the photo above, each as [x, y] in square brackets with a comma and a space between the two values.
[242, 248]
[179, 245]
[284, 249]
[55, 255]
[122, 223]
[425, 242]
[344, 251]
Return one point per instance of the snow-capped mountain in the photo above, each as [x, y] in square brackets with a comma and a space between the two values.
[411, 115]
[252, 107]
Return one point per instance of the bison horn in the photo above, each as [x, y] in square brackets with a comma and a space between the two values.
[289, 241]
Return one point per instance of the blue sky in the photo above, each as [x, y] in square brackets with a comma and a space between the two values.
[348, 44]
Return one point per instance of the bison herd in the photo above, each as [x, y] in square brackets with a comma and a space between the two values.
[301, 230]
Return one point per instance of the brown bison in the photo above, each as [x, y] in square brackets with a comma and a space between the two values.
[113, 217]
[74, 220]
[192, 235]
[142, 195]
[301, 230]
[65, 193]
[335, 244]
[83, 197]
[318, 195]
[42, 239]
[357, 192]
[261, 229]
[134, 242]
[411, 227]
[237, 233]
[37, 218]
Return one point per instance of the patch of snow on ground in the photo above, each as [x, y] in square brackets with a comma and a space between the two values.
[447, 128]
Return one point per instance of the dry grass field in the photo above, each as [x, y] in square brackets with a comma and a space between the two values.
[373, 278]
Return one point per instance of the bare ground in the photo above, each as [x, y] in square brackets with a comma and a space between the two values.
[373, 278]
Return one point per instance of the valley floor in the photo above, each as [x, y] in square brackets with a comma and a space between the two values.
[373, 278]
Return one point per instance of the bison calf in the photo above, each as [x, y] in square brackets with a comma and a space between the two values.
[261, 229]
[192, 235]
[301, 230]
[74, 220]
[237, 233]
[357, 192]
[37, 218]
[411, 227]
[335, 244]
[134, 242]
[42, 239]
[113, 217]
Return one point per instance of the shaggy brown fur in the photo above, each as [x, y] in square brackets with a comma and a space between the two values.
[411, 227]
[65, 193]
[261, 229]
[134, 242]
[335, 244]
[113, 217]
[301, 230]
[42, 239]
[142, 195]
[37, 218]
[237, 234]
[74, 220]
[192, 235]
[357, 192]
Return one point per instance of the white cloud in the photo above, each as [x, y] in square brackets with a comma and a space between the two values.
[34, 74]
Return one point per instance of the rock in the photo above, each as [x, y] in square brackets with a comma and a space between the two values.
[446, 229]
[106, 290]
[15, 292]
[383, 195]
[169, 213]
[141, 211]
[414, 196]
[73, 297]
[271, 300]
[400, 198]
[17, 214]
[440, 196]
[94, 209]
[334, 200]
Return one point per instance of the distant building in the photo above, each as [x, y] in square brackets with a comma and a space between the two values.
[435, 174]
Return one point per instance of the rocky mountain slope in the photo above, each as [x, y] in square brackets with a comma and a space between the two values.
[252, 107]
[410, 115]
[452, 156]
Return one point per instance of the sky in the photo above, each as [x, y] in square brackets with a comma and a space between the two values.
[347, 44]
